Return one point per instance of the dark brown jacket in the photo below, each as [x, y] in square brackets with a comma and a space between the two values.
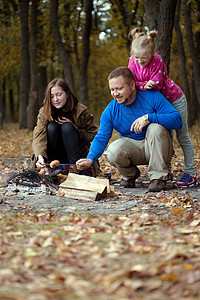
[83, 120]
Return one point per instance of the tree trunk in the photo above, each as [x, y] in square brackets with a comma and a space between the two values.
[194, 107]
[63, 53]
[193, 50]
[25, 71]
[85, 53]
[181, 52]
[151, 8]
[3, 104]
[33, 95]
[163, 18]
[11, 105]
[42, 83]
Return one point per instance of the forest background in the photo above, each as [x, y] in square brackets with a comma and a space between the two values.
[82, 41]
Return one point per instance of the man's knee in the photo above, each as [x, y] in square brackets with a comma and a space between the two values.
[156, 131]
[115, 152]
[112, 153]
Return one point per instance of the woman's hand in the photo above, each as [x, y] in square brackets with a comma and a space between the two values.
[40, 162]
[62, 120]
[83, 163]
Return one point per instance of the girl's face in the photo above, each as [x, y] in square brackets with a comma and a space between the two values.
[58, 97]
[142, 57]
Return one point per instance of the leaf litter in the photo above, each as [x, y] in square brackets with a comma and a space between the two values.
[151, 252]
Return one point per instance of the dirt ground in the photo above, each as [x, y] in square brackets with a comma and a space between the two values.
[124, 202]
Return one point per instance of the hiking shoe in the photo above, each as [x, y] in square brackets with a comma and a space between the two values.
[157, 185]
[187, 181]
[170, 177]
[130, 183]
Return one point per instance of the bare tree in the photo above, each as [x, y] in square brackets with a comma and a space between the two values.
[162, 19]
[33, 95]
[63, 53]
[85, 53]
[25, 64]
[193, 50]
[181, 51]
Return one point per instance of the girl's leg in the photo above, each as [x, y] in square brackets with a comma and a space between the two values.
[54, 148]
[183, 135]
[70, 139]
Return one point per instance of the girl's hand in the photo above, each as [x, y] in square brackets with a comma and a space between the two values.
[149, 85]
[83, 163]
[62, 120]
[40, 162]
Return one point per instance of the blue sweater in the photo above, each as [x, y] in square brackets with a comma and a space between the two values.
[120, 117]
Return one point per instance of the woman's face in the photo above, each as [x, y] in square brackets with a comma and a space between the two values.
[58, 97]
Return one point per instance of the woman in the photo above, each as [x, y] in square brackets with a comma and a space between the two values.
[64, 127]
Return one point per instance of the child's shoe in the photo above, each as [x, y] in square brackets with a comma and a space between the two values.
[170, 177]
[187, 181]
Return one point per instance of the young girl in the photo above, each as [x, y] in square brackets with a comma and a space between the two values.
[150, 72]
[64, 127]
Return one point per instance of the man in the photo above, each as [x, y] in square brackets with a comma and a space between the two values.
[143, 120]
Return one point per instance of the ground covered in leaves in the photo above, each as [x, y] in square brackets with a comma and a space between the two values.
[146, 245]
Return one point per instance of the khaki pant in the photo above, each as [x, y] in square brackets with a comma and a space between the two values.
[155, 150]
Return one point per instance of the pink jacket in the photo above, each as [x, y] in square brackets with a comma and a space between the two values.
[155, 70]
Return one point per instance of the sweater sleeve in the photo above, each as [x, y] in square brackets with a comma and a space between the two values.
[155, 71]
[86, 127]
[103, 136]
[39, 144]
[165, 114]
[135, 68]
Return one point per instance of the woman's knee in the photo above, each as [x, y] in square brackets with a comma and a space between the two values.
[68, 128]
[53, 128]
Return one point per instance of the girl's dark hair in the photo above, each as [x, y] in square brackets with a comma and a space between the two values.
[125, 72]
[140, 40]
[71, 98]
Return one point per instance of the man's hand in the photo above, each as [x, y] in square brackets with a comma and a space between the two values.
[40, 162]
[138, 124]
[149, 85]
[83, 163]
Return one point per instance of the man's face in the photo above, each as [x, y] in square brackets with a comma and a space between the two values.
[121, 91]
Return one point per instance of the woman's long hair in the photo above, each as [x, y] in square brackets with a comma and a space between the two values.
[50, 110]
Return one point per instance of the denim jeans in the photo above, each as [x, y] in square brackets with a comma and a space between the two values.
[183, 135]
[155, 151]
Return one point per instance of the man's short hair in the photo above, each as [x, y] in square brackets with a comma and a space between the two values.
[122, 71]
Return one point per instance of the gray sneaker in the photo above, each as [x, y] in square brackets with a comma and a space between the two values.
[157, 185]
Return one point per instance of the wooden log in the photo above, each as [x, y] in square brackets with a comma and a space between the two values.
[84, 187]
[81, 195]
[86, 183]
